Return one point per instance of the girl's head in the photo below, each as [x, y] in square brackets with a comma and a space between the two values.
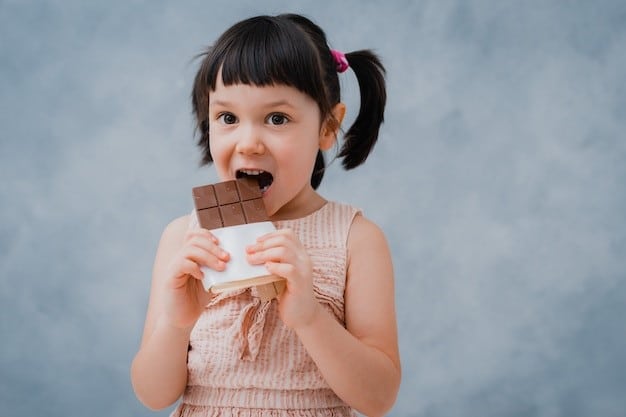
[291, 50]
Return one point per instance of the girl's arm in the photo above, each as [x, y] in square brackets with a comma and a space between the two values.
[159, 370]
[362, 364]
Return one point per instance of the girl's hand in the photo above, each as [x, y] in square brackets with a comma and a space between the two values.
[283, 255]
[185, 297]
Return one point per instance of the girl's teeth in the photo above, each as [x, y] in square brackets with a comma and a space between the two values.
[251, 171]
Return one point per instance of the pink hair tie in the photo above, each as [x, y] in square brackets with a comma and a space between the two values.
[340, 60]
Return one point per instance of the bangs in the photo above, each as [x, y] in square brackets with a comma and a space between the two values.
[266, 51]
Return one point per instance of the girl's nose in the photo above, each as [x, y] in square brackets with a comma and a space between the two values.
[250, 143]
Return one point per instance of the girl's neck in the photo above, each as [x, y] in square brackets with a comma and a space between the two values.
[300, 206]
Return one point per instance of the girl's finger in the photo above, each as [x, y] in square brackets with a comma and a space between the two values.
[203, 257]
[275, 254]
[187, 269]
[213, 249]
[287, 271]
[201, 233]
[272, 242]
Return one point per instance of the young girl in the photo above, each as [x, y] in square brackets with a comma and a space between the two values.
[267, 103]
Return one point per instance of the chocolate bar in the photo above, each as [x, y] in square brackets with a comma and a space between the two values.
[229, 203]
[226, 208]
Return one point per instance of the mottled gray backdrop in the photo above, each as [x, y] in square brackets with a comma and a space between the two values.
[499, 179]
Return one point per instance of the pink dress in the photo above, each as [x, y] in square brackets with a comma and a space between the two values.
[243, 361]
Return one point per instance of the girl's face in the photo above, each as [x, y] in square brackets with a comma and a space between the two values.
[272, 133]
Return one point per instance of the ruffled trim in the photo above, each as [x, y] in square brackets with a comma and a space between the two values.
[260, 402]
[187, 410]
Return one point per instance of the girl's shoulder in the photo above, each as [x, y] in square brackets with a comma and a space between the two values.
[176, 229]
[364, 231]
[181, 222]
[367, 243]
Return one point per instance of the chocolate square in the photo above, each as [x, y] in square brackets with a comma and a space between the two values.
[226, 192]
[210, 218]
[204, 197]
[248, 189]
[254, 211]
[232, 214]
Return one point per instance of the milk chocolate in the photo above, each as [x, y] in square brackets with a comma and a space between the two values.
[229, 203]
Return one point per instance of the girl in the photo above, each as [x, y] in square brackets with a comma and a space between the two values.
[267, 103]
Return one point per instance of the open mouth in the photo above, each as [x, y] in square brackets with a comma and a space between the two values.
[263, 178]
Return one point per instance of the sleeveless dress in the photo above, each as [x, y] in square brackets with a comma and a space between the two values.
[243, 361]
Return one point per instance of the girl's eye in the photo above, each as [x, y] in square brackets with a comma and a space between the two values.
[228, 118]
[277, 119]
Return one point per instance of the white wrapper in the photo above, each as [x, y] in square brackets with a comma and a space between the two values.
[238, 273]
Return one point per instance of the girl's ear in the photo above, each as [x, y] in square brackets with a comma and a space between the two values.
[331, 126]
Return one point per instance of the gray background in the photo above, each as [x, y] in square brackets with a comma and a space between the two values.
[499, 179]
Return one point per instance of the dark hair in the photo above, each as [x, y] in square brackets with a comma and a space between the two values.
[290, 49]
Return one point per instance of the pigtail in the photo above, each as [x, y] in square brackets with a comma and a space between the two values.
[362, 135]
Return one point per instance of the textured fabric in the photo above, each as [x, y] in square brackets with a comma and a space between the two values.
[243, 361]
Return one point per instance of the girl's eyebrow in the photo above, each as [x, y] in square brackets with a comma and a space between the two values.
[279, 103]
